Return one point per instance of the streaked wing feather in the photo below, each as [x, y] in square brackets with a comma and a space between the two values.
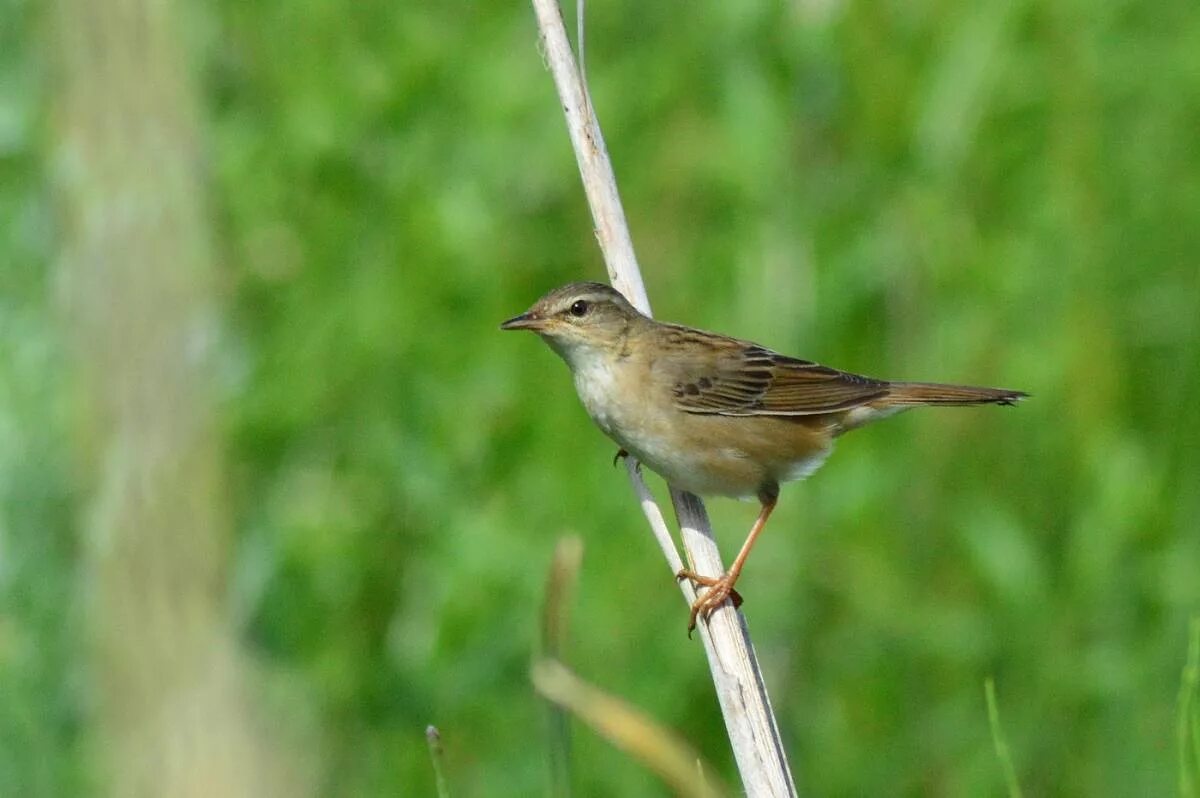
[754, 381]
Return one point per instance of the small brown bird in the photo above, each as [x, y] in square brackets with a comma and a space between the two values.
[715, 415]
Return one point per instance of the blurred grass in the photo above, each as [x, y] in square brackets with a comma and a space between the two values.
[1003, 755]
[1188, 722]
[1002, 193]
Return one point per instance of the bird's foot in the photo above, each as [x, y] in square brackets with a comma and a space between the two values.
[624, 453]
[719, 589]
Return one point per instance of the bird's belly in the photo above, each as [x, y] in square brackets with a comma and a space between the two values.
[709, 455]
[719, 456]
[714, 471]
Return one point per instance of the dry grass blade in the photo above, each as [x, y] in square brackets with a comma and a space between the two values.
[433, 739]
[560, 586]
[625, 727]
[556, 615]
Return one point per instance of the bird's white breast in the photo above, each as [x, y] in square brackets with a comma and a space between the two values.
[597, 381]
[614, 397]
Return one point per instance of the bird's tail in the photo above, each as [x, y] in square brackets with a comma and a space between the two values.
[932, 393]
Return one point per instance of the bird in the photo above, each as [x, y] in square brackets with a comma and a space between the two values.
[711, 414]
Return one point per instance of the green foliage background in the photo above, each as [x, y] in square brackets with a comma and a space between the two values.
[997, 192]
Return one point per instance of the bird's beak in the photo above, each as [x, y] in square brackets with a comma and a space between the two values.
[526, 321]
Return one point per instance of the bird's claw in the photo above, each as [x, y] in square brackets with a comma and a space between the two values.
[624, 453]
[719, 588]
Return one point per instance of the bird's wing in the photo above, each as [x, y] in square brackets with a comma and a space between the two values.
[745, 379]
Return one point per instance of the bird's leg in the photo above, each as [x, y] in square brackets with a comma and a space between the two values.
[721, 587]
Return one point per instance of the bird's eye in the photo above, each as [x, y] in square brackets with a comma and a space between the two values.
[579, 308]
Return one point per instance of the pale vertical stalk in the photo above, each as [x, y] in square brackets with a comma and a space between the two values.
[753, 732]
[172, 704]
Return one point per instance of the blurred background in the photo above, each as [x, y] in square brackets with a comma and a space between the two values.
[347, 483]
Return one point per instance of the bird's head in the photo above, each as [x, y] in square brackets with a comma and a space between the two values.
[579, 320]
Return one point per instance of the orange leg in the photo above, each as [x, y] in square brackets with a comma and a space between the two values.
[721, 587]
